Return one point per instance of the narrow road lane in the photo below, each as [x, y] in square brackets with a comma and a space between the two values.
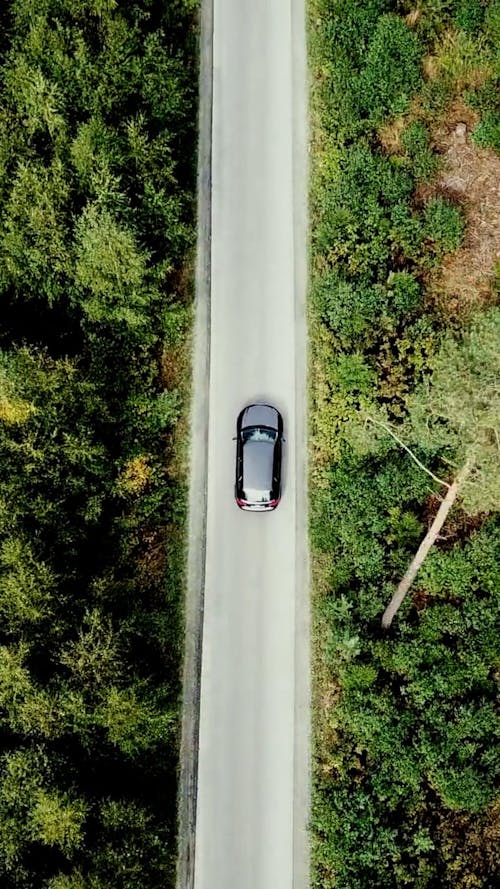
[252, 768]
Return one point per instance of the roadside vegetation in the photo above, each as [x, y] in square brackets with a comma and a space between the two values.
[97, 146]
[404, 357]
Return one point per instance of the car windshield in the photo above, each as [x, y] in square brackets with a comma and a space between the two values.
[259, 433]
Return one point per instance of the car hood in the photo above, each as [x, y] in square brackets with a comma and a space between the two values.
[260, 415]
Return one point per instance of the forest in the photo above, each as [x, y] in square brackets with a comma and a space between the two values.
[97, 189]
[404, 327]
[98, 106]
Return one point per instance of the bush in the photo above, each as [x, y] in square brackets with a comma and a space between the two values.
[403, 294]
[349, 311]
[486, 100]
[487, 132]
[443, 224]
[422, 162]
[391, 72]
[405, 765]
[470, 15]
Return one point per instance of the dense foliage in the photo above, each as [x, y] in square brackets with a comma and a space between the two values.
[97, 113]
[406, 759]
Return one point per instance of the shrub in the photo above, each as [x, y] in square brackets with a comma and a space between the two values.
[406, 232]
[348, 310]
[349, 26]
[405, 762]
[403, 294]
[354, 220]
[470, 15]
[391, 71]
[487, 132]
[353, 375]
[422, 162]
[492, 23]
[443, 224]
[486, 100]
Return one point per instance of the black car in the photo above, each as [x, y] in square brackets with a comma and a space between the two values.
[259, 434]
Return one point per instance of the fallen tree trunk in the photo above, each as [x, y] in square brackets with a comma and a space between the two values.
[423, 550]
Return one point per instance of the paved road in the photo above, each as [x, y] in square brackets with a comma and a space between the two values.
[252, 768]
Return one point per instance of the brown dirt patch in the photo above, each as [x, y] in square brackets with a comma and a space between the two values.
[389, 134]
[173, 366]
[420, 599]
[151, 560]
[458, 525]
[456, 113]
[471, 177]
[470, 846]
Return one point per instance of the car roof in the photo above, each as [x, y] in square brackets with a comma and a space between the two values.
[258, 465]
[259, 415]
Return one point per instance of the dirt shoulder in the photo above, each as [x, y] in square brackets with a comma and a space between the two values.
[193, 617]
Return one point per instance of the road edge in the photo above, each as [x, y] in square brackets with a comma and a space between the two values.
[198, 456]
[302, 727]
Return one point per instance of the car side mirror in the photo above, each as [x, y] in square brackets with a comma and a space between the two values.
[283, 439]
[235, 437]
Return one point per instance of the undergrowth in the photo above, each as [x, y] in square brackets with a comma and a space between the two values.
[405, 761]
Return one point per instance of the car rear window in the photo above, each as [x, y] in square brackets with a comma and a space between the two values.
[253, 496]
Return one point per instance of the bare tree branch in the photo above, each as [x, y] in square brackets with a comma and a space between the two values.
[427, 542]
[407, 449]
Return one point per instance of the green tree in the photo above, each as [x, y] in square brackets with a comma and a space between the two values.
[28, 708]
[56, 819]
[97, 177]
[94, 657]
[38, 100]
[134, 720]
[110, 270]
[456, 414]
[50, 451]
[33, 811]
[35, 255]
[26, 586]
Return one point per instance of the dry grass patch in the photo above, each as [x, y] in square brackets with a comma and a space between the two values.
[326, 405]
[413, 17]
[459, 58]
[177, 455]
[151, 562]
[175, 374]
[470, 177]
[389, 134]
[326, 691]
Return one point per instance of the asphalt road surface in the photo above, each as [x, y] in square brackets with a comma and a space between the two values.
[252, 765]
